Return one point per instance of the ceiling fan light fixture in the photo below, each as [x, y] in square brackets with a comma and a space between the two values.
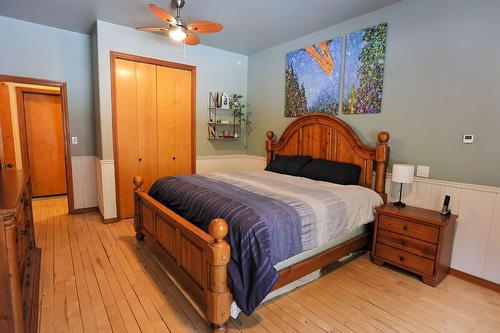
[177, 29]
[177, 33]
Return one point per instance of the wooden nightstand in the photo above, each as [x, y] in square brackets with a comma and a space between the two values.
[415, 239]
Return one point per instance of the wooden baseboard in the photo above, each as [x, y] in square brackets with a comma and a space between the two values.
[84, 210]
[475, 280]
[107, 221]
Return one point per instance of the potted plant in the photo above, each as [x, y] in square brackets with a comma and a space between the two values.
[236, 104]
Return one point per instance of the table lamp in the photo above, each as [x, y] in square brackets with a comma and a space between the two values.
[403, 174]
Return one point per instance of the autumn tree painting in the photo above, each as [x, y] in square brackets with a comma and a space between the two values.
[364, 70]
[312, 79]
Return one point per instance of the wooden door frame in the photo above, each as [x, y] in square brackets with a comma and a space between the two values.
[63, 92]
[125, 56]
[6, 122]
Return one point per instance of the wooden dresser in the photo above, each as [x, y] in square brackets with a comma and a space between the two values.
[19, 257]
[415, 239]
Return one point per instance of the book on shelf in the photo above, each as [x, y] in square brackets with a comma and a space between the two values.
[215, 99]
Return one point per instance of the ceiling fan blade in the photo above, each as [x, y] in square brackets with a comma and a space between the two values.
[151, 29]
[162, 14]
[205, 26]
[191, 39]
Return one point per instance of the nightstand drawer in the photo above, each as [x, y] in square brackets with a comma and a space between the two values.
[407, 244]
[405, 259]
[409, 228]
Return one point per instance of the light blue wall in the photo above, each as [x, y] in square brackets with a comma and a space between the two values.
[442, 80]
[216, 70]
[37, 51]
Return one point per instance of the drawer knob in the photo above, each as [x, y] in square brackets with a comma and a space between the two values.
[401, 258]
[25, 309]
[403, 242]
[405, 227]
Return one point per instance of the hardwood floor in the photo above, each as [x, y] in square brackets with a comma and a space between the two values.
[98, 278]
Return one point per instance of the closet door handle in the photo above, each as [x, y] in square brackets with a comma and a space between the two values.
[173, 157]
[140, 159]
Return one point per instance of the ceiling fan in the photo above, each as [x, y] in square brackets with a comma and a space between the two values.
[177, 28]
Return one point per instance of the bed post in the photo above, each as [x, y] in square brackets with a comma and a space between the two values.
[382, 158]
[138, 182]
[218, 296]
[269, 142]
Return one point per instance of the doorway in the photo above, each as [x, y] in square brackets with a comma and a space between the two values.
[42, 140]
[35, 134]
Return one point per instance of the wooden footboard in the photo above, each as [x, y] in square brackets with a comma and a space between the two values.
[197, 260]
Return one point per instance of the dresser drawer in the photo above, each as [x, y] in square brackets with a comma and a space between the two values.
[409, 228]
[405, 259]
[407, 244]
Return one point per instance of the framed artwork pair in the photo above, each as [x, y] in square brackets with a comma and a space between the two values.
[314, 81]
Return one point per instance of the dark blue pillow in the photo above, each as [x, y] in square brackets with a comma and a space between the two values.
[333, 172]
[289, 165]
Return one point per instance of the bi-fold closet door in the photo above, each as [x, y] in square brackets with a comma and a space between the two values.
[153, 126]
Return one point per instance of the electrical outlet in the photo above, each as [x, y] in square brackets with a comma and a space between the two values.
[468, 138]
[74, 140]
[423, 171]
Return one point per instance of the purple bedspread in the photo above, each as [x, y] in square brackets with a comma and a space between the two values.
[262, 231]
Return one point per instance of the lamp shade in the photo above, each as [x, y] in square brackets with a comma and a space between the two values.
[403, 173]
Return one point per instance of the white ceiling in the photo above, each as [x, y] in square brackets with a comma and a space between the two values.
[250, 25]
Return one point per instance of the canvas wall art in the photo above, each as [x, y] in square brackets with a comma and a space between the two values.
[312, 83]
[364, 70]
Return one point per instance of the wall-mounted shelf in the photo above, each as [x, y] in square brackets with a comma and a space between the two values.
[226, 138]
[223, 122]
[231, 124]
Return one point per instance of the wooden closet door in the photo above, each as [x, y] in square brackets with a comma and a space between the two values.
[183, 122]
[166, 121]
[147, 120]
[126, 134]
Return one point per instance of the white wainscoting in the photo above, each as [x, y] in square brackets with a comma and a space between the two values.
[106, 191]
[476, 249]
[227, 163]
[84, 181]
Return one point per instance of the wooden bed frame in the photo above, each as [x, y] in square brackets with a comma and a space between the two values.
[198, 260]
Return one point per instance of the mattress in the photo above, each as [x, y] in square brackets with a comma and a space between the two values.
[348, 235]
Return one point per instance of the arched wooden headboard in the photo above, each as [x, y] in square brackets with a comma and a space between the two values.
[327, 137]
